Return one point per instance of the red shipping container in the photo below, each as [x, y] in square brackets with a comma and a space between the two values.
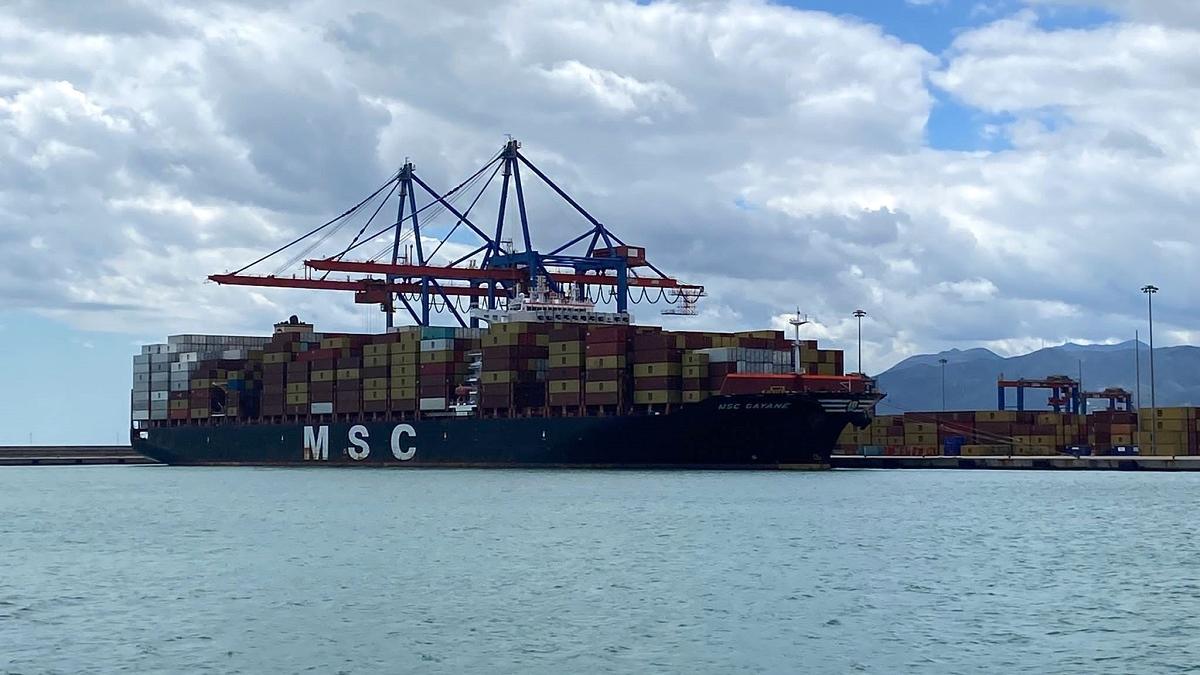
[565, 373]
[606, 349]
[652, 341]
[566, 399]
[319, 355]
[608, 334]
[658, 356]
[608, 398]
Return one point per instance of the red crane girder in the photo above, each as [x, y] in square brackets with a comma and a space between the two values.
[358, 285]
[491, 274]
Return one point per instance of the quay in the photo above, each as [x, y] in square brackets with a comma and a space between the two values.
[57, 455]
[1006, 462]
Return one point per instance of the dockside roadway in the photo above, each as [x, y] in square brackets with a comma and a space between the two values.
[1054, 463]
[25, 455]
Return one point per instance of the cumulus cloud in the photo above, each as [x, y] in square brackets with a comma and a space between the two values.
[779, 156]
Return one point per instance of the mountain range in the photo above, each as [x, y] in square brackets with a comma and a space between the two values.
[914, 384]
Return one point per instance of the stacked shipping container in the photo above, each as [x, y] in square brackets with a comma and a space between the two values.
[509, 369]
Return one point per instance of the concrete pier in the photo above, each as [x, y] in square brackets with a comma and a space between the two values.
[26, 455]
[1052, 463]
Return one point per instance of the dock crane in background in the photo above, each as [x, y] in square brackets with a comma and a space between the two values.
[490, 273]
[1064, 392]
[1118, 399]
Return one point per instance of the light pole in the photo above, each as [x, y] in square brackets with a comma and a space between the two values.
[859, 314]
[1150, 290]
[943, 362]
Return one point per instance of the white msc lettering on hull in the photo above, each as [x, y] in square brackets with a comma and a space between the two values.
[359, 449]
[316, 445]
[397, 433]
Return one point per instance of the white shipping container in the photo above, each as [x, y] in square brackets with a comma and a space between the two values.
[433, 403]
[141, 386]
[163, 367]
[160, 358]
[158, 405]
[141, 367]
[141, 377]
[140, 415]
[180, 385]
[140, 396]
[188, 357]
[163, 377]
[321, 408]
[437, 345]
[154, 349]
[158, 414]
[159, 396]
[141, 359]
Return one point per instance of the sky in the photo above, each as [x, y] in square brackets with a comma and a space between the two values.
[995, 173]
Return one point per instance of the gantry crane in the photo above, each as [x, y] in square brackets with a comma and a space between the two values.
[493, 271]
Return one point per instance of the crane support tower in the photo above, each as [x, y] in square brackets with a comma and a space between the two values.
[487, 272]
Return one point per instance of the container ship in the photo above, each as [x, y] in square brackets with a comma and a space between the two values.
[536, 374]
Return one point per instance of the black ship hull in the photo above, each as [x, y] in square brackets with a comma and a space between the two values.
[795, 431]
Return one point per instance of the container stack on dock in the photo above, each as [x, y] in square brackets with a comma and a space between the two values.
[1028, 433]
[1176, 431]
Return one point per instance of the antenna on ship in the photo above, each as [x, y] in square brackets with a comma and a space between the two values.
[797, 321]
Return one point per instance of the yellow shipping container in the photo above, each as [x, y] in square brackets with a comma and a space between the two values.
[1175, 425]
[297, 399]
[996, 416]
[335, 343]
[376, 383]
[564, 386]
[573, 360]
[497, 376]
[277, 357]
[602, 387]
[695, 359]
[322, 375]
[297, 388]
[409, 370]
[347, 374]
[1056, 419]
[572, 347]
[405, 358]
[694, 396]
[605, 362]
[375, 394]
[656, 396]
[198, 413]
[178, 405]
[985, 450]
[406, 345]
[661, 369]
[376, 361]
[440, 356]
[402, 393]
[1169, 413]
[403, 382]
[920, 439]
[826, 369]
[920, 428]
[200, 383]
[695, 371]
[375, 350]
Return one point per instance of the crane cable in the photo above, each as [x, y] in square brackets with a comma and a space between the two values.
[395, 177]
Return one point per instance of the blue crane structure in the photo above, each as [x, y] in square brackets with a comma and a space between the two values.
[489, 273]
